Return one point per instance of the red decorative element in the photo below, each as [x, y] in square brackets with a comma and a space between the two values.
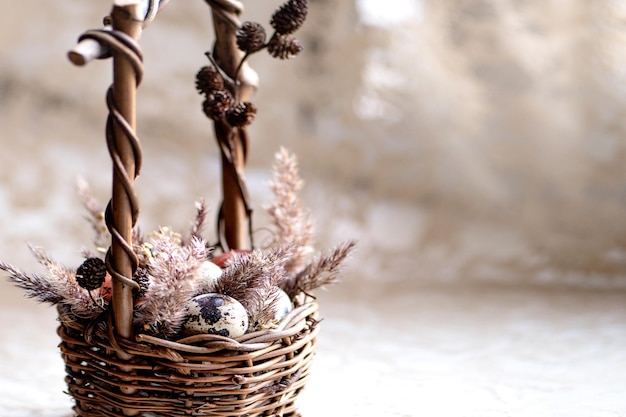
[224, 259]
[106, 289]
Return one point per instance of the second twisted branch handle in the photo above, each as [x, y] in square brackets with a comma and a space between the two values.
[235, 215]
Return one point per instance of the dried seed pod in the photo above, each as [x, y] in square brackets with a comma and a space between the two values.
[251, 37]
[290, 16]
[241, 114]
[209, 80]
[217, 103]
[90, 274]
[284, 47]
[141, 277]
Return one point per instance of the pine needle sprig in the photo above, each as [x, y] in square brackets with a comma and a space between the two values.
[322, 271]
[290, 219]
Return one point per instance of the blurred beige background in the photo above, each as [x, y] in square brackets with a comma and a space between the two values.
[473, 140]
[474, 148]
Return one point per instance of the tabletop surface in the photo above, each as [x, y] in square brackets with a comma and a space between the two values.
[407, 350]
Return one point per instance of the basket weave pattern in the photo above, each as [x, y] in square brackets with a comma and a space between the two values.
[258, 374]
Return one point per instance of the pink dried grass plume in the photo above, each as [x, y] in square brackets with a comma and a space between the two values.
[171, 270]
[255, 269]
[321, 271]
[291, 221]
[95, 215]
[262, 306]
[200, 220]
[58, 286]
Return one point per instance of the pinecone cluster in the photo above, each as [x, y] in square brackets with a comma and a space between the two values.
[219, 103]
[241, 114]
[287, 19]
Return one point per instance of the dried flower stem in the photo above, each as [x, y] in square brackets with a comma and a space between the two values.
[199, 221]
[59, 286]
[291, 221]
[95, 217]
[262, 305]
[320, 272]
[250, 271]
[171, 271]
[40, 288]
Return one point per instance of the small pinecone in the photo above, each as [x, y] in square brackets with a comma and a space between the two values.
[142, 278]
[217, 103]
[241, 114]
[250, 37]
[209, 80]
[290, 16]
[284, 47]
[90, 274]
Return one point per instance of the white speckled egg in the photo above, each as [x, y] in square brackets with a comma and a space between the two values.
[215, 314]
[283, 306]
[207, 276]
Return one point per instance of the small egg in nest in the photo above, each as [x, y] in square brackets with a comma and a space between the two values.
[283, 306]
[215, 314]
[207, 276]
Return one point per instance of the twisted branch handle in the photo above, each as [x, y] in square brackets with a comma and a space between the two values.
[120, 41]
[235, 214]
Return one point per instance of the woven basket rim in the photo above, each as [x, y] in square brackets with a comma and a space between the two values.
[144, 344]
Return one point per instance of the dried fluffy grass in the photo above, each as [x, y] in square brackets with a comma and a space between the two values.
[95, 215]
[290, 219]
[172, 263]
[254, 270]
[58, 286]
[172, 269]
[321, 271]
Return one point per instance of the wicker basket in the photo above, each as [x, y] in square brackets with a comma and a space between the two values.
[114, 368]
[257, 374]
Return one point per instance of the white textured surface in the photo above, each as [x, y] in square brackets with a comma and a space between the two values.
[475, 150]
[403, 351]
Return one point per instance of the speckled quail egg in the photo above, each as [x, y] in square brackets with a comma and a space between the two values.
[207, 276]
[283, 306]
[215, 314]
